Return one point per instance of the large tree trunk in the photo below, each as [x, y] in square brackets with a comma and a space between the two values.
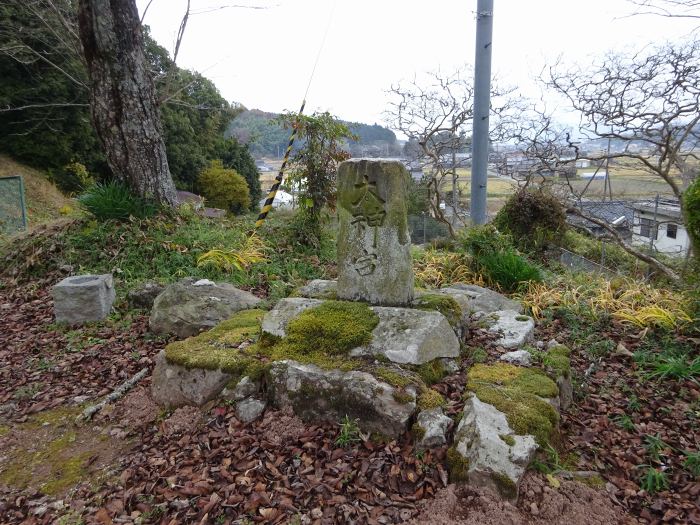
[122, 97]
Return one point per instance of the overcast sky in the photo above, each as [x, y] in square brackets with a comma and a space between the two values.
[263, 57]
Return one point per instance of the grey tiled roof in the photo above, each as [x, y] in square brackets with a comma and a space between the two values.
[607, 211]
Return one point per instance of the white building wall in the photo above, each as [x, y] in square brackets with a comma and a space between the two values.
[663, 243]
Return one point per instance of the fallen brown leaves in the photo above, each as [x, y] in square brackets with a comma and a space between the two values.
[46, 366]
[612, 421]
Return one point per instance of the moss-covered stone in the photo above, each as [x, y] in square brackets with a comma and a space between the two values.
[429, 398]
[557, 361]
[321, 336]
[518, 393]
[442, 303]
[324, 335]
[457, 465]
[506, 486]
[393, 377]
[333, 328]
[528, 380]
[219, 348]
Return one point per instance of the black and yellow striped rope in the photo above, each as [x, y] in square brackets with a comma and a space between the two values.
[278, 180]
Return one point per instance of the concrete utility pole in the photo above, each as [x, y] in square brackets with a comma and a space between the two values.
[482, 103]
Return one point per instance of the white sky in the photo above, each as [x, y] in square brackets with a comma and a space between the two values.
[263, 58]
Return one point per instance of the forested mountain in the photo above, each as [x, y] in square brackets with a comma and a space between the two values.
[266, 136]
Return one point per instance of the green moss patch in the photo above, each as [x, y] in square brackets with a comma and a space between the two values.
[518, 393]
[457, 465]
[393, 377]
[61, 468]
[325, 334]
[333, 328]
[218, 348]
[527, 380]
[430, 399]
[321, 336]
[50, 454]
[557, 362]
[506, 486]
[417, 431]
[508, 440]
[432, 372]
[401, 396]
[442, 303]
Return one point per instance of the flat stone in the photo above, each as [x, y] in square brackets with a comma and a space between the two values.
[514, 328]
[83, 298]
[478, 299]
[316, 394]
[276, 320]
[374, 245]
[250, 409]
[319, 289]
[409, 336]
[517, 357]
[403, 335]
[243, 389]
[145, 295]
[191, 306]
[173, 386]
[434, 425]
[481, 438]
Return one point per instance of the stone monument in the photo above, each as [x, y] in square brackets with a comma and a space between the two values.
[374, 245]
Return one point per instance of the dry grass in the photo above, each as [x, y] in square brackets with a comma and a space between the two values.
[44, 201]
[436, 268]
[631, 302]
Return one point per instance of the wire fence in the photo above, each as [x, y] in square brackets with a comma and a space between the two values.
[13, 211]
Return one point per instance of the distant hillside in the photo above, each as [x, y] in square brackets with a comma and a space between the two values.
[43, 199]
[266, 138]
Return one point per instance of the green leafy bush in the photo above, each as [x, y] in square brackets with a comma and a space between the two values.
[691, 203]
[114, 200]
[483, 240]
[507, 269]
[495, 259]
[72, 178]
[534, 217]
[236, 156]
[224, 188]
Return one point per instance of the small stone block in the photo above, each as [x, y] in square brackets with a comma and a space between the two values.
[83, 298]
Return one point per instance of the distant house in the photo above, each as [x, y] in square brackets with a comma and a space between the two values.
[660, 225]
[282, 200]
[617, 214]
[595, 175]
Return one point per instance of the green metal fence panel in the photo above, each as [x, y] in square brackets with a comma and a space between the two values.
[13, 209]
[424, 229]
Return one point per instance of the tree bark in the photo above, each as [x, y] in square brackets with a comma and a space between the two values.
[122, 97]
